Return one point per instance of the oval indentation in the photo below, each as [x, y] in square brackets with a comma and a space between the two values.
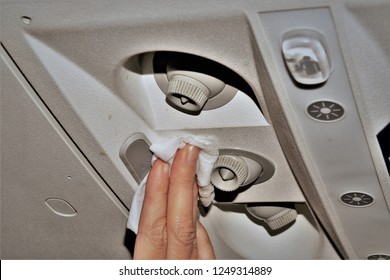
[379, 257]
[61, 207]
[357, 199]
[326, 111]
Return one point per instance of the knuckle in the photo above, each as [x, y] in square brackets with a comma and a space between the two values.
[183, 180]
[185, 233]
[156, 235]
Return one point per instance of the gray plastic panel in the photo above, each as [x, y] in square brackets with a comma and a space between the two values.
[70, 76]
[83, 80]
[338, 149]
[53, 204]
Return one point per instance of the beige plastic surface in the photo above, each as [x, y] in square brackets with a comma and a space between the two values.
[75, 59]
[336, 152]
[53, 203]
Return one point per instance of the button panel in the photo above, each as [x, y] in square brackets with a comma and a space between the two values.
[337, 154]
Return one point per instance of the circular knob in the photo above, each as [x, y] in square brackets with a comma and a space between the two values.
[275, 217]
[226, 174]
[229, 173]
[187, 94]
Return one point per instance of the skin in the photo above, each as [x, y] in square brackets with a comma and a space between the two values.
[169, 227]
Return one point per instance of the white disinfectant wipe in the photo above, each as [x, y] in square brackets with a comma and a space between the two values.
[165, 149]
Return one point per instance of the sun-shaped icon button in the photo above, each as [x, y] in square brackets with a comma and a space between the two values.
[379, 257]
[325, 111]
[357, 199]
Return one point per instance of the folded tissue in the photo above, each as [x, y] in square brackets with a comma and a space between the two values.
[165, 149]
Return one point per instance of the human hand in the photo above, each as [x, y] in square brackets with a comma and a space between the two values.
[169, 227]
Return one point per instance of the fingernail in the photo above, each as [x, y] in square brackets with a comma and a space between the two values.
[192, 154]
[166, 168]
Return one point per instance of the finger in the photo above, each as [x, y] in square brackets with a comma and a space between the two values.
[194, 253]
[181, 229]
[205, 248]
[151, 242]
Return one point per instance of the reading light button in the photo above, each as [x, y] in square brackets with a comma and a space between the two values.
[306, 57]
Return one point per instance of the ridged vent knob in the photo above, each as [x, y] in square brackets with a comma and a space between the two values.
[187, 94]
[281, 219]
[229, 173]
[274, 216]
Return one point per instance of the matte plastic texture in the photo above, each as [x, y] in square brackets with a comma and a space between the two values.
[337, 151]
[76, 61]
[47, 182]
